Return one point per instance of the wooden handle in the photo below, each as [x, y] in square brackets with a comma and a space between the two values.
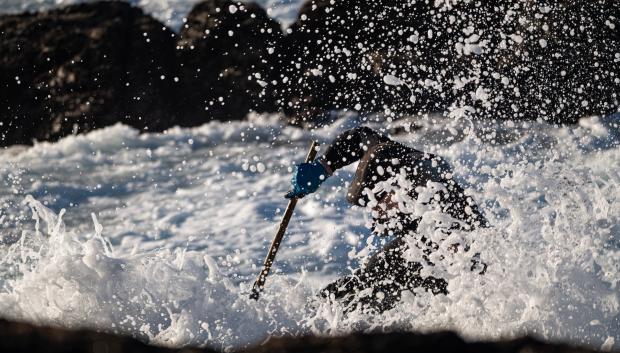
[275, 244]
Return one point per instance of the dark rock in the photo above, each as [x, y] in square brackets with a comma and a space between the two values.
[504, 59]
[568, 64]
[18, 337]
[83, 67]
[340, 53]
[87, 66]
[447, 342]
[220, 52]
[26, 338]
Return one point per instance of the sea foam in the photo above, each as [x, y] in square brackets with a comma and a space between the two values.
[160, 235]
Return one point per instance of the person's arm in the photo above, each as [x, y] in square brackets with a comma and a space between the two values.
[349, 147]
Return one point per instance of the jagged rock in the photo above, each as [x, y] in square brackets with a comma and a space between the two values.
[86, 66]
[222, 47]
[82, 67]
[500, 59]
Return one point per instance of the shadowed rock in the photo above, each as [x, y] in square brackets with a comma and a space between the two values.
[83, 67]
[86, 66]
[20, 337]
[500, 59]
[447, 342]
[223, 50]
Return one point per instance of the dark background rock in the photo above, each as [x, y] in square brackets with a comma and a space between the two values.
[577, 72]
[20, 337]
[83, 67]
[86, 66]
[557, 61]
[340, 52]
[220, 52]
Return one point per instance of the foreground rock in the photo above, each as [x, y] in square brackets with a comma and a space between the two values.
[83, 67]
[20, 337]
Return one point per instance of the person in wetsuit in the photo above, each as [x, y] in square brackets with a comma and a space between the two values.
[387, 273]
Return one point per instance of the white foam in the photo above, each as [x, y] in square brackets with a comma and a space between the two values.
[164, 233]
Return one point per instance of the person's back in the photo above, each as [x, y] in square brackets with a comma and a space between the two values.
[382, 160]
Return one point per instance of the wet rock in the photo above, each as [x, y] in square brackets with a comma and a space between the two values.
[82, 67]
[86, 66]
[223, 49]
[500, 59]
[447, 342]
[16, 337]
[334, 56]
[564, 57]
[20, 337]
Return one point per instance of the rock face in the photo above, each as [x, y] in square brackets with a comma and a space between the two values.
[82, 67]
[337, 53]
[19, 337]
[222, 50]
[86, 66]
[447, 342]
[500, 59]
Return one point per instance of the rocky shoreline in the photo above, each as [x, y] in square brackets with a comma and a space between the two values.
[81, 67]
[21, 337]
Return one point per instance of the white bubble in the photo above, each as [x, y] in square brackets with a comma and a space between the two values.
[260, 167]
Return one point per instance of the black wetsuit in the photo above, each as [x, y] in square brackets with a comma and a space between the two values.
[387, 273]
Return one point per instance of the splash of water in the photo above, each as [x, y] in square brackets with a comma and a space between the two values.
[168, 264]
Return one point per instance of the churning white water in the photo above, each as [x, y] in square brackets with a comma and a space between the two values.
[160, 235]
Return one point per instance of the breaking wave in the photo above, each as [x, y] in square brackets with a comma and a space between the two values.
[159, 235]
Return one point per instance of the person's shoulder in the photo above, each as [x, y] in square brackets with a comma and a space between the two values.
[363, 129]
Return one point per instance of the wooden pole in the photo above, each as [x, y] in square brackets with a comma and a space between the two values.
[275, 244]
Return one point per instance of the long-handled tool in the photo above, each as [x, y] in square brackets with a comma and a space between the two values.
[275, 244]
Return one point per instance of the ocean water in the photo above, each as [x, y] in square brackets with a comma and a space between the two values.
[161, 235]
[170, 12]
